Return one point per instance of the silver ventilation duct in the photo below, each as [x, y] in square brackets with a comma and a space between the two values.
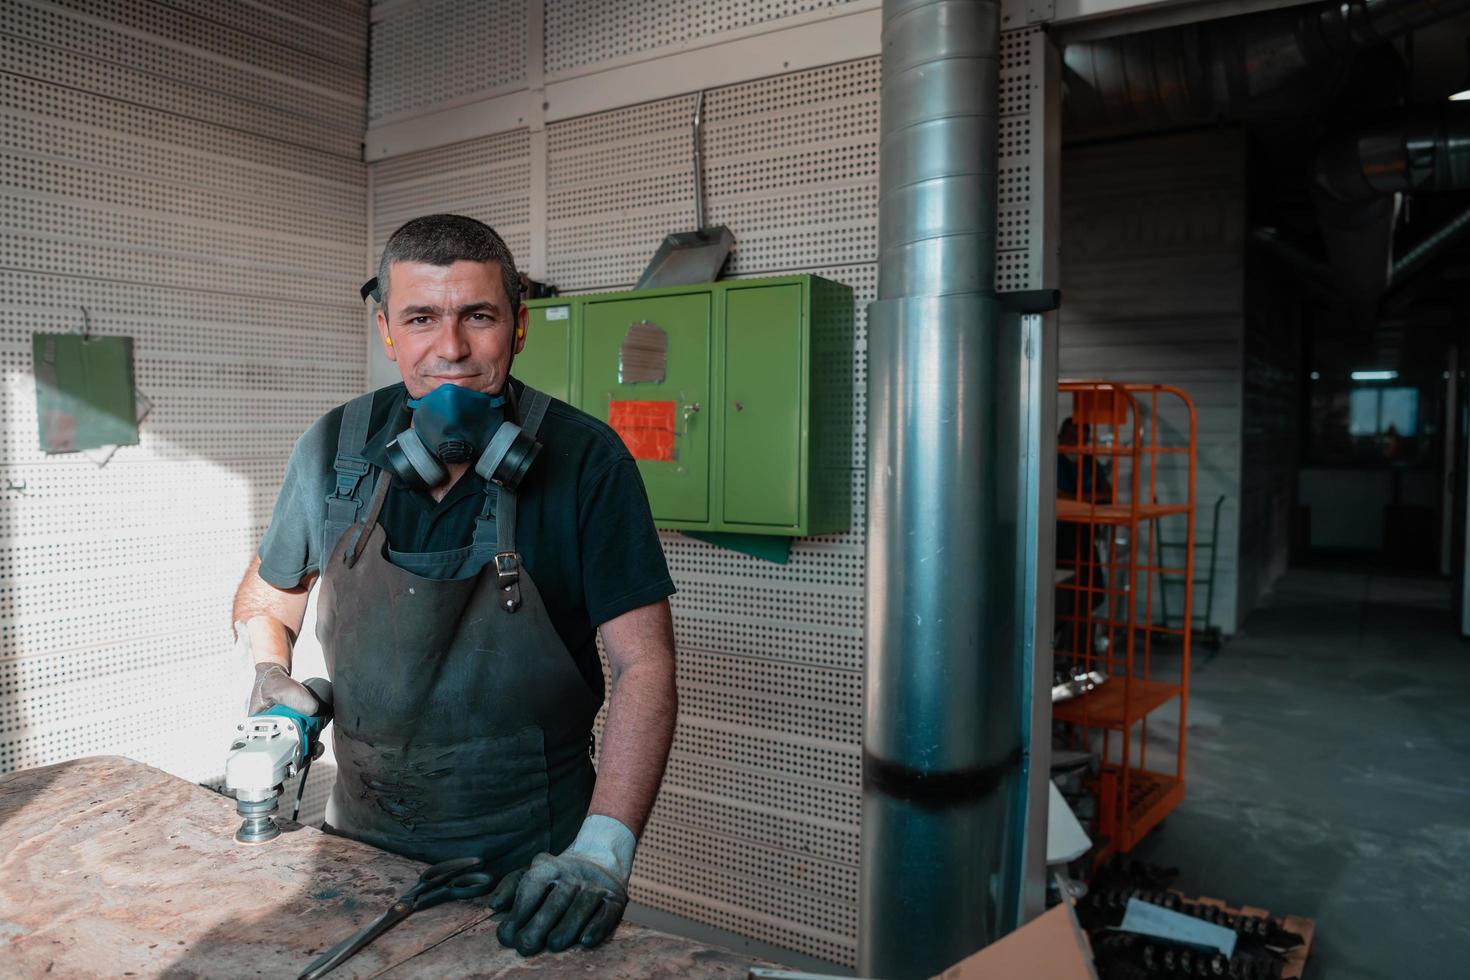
[942, 768]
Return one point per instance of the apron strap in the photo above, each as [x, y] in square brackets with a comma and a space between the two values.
[482, 537]
[505, 517]
[507, 558]
[538, 402]
[505, 521]
[345, 501]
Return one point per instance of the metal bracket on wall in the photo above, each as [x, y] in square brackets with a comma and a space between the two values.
[768, 547]
[1040, 11]
[1031, 300]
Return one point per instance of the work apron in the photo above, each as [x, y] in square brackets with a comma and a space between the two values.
[461, 724]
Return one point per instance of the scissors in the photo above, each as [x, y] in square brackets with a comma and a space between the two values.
[459, 878]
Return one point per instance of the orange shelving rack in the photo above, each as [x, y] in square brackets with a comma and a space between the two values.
[1126, 464]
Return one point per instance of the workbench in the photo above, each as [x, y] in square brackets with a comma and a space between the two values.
[109, 867]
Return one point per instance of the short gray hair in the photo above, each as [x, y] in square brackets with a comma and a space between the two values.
[444, 239]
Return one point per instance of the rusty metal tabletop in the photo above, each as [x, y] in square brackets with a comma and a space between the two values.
[109, 867]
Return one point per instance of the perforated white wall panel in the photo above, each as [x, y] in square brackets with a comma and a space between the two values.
[488, 179]
[757, 825]
[1020, 256]
[436, 53]
[189, 172]
[584, 32]
[756, 828]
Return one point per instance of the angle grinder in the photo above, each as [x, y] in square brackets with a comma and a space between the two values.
[270, 748]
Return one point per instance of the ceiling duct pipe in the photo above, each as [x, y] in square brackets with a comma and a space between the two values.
[1266, 65]
[1426, 149]
[1360, 179]
[1273, 66]
[1439, 241]
[942, 761]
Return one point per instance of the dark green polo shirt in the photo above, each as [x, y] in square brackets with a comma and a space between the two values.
[584, 529]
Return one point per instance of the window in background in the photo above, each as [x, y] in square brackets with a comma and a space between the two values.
[1398, 410]
[1370, 424]
[1374, 412]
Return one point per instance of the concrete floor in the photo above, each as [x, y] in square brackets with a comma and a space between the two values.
[1329, 773]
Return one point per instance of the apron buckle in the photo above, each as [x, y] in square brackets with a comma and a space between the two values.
[350, 471]
[508, 579]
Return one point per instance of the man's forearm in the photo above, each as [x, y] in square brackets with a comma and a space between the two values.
[270, 641]
[635, 742]
[269, 616]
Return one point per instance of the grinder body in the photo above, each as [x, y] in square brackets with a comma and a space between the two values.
[270, 748]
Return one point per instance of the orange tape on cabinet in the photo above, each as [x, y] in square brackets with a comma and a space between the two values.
[647, 428]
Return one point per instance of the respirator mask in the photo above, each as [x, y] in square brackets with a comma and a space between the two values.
[452, 424]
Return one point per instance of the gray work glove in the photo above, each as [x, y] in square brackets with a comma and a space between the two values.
[274, 686]
[573, 898]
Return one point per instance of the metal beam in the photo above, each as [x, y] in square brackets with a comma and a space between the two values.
[1087, 20]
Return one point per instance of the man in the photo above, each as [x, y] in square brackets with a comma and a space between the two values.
[1082, 475]
[1086, 478]
[459, 615]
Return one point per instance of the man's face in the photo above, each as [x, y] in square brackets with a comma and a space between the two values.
[450, 325]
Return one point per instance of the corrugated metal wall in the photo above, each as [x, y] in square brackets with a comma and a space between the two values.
[189, 172]
[756, 829]
[1153, 291]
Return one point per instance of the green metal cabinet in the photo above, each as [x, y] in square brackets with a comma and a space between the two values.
[545, 362]
[750, 418]
[679, 487]
[765, 384]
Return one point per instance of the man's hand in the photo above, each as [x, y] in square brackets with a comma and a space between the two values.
[576, 897]
[274, 686]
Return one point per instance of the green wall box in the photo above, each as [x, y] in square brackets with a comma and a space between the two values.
[735, 396]
[547, 356]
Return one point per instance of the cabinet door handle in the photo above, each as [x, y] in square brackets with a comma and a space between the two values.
[739, 406]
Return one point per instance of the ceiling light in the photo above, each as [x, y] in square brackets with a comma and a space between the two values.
[1461, 96]
[1374, 375]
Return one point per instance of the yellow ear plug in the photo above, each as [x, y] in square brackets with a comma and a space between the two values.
[388, 341]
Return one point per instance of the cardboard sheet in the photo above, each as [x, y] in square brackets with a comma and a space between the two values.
[1050, 947]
